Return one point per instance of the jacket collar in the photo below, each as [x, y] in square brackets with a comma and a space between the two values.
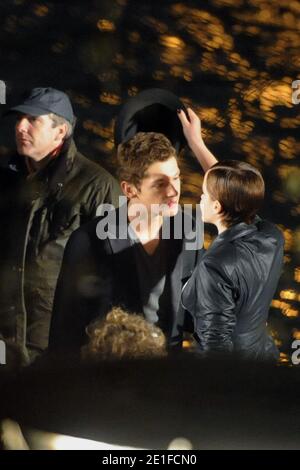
[51, 178]
[119, 225]
[57, 170]
[180, 262]
[239, 230]
[66, 157]
[120, 241]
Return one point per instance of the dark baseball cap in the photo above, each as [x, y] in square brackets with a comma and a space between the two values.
[151, 110]
[45, 101]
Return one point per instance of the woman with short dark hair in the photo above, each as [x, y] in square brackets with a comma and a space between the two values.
[231, 288]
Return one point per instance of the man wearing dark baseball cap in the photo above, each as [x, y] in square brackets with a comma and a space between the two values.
[45, 101]
[50, 113]
[48, 189]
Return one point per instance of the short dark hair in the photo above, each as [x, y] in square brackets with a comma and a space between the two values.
[138, 153]
[123, 335]
[240, 189]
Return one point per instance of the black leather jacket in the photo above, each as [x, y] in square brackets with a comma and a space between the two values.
[231, 289]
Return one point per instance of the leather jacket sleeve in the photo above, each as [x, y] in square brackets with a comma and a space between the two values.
[210, 297]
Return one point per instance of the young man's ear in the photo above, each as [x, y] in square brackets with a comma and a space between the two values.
[129, 190]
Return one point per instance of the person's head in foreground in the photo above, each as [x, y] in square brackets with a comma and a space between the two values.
[233, 192]
[123, 336]
[148, 171]
[45, 119]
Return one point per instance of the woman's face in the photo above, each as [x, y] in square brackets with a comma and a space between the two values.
[209, 207]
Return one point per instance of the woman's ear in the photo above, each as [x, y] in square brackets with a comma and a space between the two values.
[128, 189]
[217, 207]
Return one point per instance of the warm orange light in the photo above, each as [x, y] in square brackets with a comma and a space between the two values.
[106, 25]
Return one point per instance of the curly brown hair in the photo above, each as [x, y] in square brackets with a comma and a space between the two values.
[138, 153]
[123, 335]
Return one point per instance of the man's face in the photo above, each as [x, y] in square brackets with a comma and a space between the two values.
[35, 136]
[160, 186]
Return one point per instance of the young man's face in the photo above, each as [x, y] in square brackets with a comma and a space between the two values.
[36, 137]
[160, 186]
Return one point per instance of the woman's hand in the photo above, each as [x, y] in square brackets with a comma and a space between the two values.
[192, 130]
[191, 126]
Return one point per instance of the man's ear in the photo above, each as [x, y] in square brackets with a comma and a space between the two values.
[62, 132]
[129, 190]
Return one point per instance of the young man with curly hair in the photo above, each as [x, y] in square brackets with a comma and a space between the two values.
[135, 256]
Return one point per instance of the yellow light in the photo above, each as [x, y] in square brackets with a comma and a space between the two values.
[106, 25]
[96, 128]
[284, 358]
[41, 10]
[110, 98]
[276, 94]
[132, 91]
[288, 294]
[280, 305]
[172, 42]
[289, 148]
[296, 334]
[208, 239]
[297, 274]
[291, 312]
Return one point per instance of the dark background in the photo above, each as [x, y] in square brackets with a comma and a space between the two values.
[233, 61]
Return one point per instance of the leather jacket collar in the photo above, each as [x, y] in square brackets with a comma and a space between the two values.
[239, 230]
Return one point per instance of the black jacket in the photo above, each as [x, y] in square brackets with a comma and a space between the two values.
[99, 274]
[38, 214]
[231, 289]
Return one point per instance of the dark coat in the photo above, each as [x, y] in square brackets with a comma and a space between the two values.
[231, 289]
[99, 274]
[38, 214]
